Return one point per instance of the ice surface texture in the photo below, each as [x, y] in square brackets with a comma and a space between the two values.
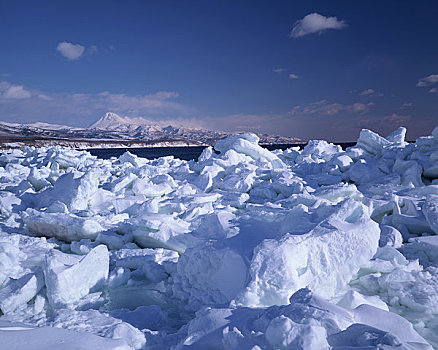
[319, 248]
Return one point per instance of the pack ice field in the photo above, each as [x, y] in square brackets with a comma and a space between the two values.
[319, 248]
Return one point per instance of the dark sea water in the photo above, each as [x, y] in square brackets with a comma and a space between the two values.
[185, 153]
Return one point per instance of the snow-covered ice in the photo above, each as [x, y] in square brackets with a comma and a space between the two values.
[319, 248]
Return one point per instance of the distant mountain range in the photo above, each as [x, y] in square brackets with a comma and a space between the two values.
[113, 130]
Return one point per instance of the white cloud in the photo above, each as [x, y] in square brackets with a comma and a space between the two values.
[14, 92]
[328, 109]
[406, 105]
[433, 91]
[293, 76]
[397, 118]
[367, 92]
[429, 80]
[279, 70]
[93, 49]
[44, 97]
[315, 23]
[265, 123]
[139, 104]
[70, 51]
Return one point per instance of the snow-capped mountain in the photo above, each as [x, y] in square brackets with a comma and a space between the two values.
[114, 122]
[112, 130]
[145, 129]
[114, 126]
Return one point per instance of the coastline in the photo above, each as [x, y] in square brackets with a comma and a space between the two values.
[116, 144]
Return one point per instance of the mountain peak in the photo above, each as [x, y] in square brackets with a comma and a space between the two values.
[111, 116]
[108, 120]
[114, 122]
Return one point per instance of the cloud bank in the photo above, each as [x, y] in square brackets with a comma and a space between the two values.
[81, 108]
[315, 23]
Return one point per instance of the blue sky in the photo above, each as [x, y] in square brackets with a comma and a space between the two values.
[310, 69]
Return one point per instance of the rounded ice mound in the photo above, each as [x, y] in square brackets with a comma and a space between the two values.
[282, 332]
[209, 275]
[247, 144]
[227, 143]
[318, 150]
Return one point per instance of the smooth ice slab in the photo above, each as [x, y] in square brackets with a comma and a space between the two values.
[70, 277]
[66, 227]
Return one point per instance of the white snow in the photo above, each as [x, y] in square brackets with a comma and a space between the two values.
[23, 337]
[319, 248]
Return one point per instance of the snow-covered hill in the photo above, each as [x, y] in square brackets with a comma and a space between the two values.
[116, 129]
